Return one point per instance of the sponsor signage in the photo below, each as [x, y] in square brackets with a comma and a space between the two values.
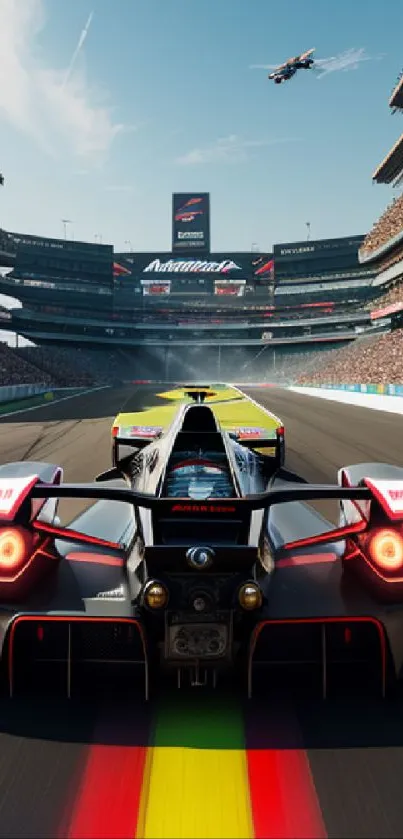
[23, 241]
[238, 265]
[293, 251]
[140, 431]
[251, 433]
[319, 248]
[156, 287]
[192, 266]
[190, 222]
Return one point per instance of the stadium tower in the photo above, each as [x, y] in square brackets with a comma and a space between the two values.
[382, 250]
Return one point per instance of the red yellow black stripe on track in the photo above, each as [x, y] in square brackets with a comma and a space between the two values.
[200, 767]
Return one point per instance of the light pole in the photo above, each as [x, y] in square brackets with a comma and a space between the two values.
[65, 222]
[308, 227]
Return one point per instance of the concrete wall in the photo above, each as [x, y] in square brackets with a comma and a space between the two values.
[11, 393]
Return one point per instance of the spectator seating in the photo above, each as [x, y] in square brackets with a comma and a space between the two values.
[389, 225]
[16, 371]
[375, 360]
[394, 294]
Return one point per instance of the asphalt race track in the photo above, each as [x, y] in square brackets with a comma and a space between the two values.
[68, 771]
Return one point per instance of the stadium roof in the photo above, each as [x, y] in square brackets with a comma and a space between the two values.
[391, 168]
[396, 100]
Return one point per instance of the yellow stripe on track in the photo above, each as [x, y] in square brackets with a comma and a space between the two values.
[196, 793]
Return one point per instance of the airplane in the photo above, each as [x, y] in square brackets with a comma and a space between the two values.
[286, 71]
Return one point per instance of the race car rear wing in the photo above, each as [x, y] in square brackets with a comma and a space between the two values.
[387, 496]
[224, 509]
[259, 501]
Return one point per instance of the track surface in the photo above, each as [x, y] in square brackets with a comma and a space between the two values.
[355, 754]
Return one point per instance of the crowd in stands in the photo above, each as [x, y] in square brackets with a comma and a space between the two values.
[394, 294]
[282, 366]
[73, 366]
[376, 360]
[57, 364]
[388, 261]
[62, 367]
[387, 227]
[17, 371]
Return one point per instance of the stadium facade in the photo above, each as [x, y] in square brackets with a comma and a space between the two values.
[81, 294]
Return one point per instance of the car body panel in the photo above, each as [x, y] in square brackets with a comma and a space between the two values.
[197, 517]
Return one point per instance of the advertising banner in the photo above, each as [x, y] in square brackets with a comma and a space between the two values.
[235, 265]
[191, 222]
[312, 249]
[22, 241]
[150, 287]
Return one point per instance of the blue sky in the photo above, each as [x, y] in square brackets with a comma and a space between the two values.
[161, 98]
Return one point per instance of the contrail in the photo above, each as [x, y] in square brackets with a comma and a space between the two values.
[78, 48]
[348, 60]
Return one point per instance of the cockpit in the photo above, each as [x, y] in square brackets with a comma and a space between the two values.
[198, 467]
[198, 475]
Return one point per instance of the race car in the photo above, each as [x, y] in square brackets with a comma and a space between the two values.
[136, 430]
[197, 562]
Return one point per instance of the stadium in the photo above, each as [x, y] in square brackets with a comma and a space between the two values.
[110, 316]
[297, 314]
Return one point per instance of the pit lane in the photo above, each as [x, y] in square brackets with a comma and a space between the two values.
[47, 760]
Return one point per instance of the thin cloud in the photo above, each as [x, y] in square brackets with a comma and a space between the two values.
[232, 149]
[57, 109]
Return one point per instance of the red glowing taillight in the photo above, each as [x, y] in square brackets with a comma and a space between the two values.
[385, 548]
[280, 431]
[15, 550]
[115, 431]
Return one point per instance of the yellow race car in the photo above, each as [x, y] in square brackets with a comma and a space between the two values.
[243, 420]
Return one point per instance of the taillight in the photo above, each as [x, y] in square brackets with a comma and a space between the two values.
[385, 548]
[15, 550]
[280, 431]
[115, 431]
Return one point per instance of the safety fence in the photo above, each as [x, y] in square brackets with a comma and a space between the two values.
[379, 390]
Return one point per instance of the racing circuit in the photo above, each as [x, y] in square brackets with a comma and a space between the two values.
[202, 765]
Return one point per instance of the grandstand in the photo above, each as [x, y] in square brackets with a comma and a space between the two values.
[98, 316]
[135, 312]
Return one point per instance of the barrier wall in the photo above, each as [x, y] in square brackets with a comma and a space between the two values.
[380, 390]
[12, 393]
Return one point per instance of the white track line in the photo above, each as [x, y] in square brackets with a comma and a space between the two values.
[257, 404]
